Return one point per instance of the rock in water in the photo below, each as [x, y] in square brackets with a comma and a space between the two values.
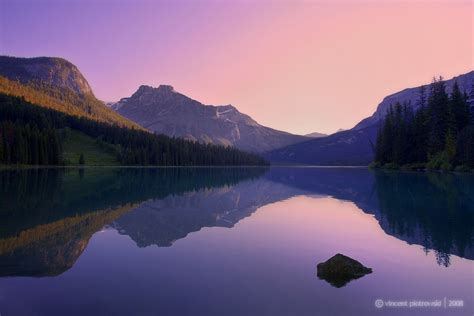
[340, 270]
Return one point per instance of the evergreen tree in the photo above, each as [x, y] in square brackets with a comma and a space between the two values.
[450, 147]
[459, 108]
[438, 113]
[81, 159]
[409, 143]
[421, 134]
[2, 155]
[421, 102]
[465, 147]
[399, 135]
[438, 134]
[470, 103]
[383, 149]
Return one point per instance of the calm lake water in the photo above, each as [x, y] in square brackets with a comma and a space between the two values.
[236, 241]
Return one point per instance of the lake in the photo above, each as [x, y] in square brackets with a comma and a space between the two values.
[233, 241]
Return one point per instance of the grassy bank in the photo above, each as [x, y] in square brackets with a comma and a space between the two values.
[95, 152]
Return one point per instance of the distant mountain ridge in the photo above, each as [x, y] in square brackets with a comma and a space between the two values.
[316, 135]
[165, 111]
[355, 146]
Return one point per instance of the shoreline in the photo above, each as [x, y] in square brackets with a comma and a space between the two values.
[4, 167]
[401, 169]
[72, 167]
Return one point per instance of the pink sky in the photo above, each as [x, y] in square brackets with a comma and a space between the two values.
[298, 66]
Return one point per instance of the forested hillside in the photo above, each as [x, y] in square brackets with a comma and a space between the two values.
[33, 135]
[57, 84]
[356, 145]
[438, 135]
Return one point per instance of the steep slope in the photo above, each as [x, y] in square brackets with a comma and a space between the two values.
[354, 146]
[165, 111]
[57, 84]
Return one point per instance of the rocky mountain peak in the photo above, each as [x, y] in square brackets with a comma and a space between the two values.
[164, 111]
[142, 90]
[149, 92]
[165, 88]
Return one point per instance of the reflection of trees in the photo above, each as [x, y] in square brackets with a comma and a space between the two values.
[434, 210]
[442, 258]
[51, 249]
[48, 215]
[37, 196]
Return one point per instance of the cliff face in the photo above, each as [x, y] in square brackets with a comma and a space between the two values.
[54, 71]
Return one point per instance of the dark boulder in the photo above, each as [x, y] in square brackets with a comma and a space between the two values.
[340, 270]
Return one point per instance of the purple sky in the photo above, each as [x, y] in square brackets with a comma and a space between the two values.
[299, 66]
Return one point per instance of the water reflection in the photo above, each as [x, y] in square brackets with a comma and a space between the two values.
[433, 210]
[49, 215]
[162, 221]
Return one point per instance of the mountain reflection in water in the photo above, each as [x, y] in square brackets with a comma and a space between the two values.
[49, 215]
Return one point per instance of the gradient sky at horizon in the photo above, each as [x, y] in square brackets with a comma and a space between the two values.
[298, 66]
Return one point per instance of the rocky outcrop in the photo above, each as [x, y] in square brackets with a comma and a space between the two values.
[54, 71]
[340, 270]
